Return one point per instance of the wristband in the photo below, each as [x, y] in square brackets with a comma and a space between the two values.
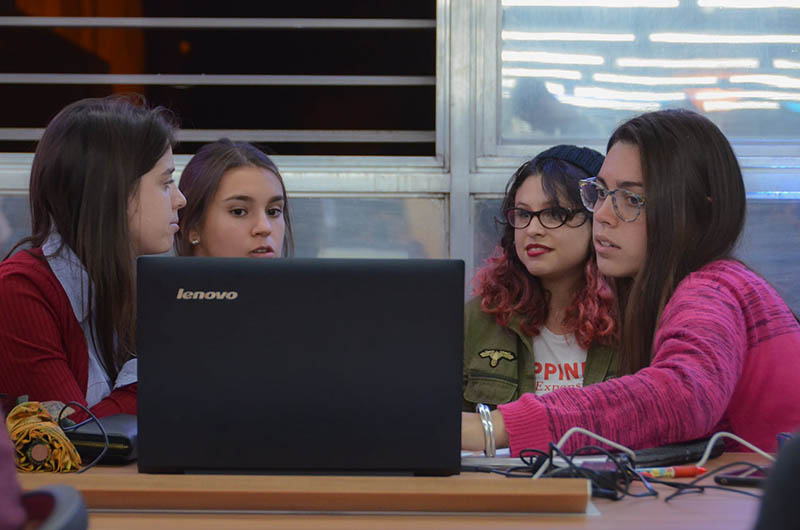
[488, 429]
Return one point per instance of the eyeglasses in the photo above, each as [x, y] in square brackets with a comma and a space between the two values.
[593, 194]
[554, 217]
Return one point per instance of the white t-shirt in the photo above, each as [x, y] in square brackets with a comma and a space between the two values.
[560, 361]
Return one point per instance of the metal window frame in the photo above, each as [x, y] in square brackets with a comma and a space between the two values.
[389, 177]
[215, 79]
[468, 164]
[10, 133]
[265, 135]
[491, 154]
[330, 174]
[771, 169]
[216, 23]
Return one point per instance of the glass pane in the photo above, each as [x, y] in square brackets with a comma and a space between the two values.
[573, 73]
[369, 228]
[15, 221]
[323, 227]
[770, 243]
[487, 234]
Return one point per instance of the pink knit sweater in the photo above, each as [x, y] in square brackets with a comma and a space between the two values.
[726, 357]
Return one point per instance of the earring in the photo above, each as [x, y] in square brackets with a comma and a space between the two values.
[195, 242]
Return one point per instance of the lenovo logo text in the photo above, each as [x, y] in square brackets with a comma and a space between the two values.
[206, 295]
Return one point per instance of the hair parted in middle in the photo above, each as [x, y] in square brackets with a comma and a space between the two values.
[506, 287]
[201, 178]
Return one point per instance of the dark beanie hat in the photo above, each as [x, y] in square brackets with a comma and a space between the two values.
[585, 158]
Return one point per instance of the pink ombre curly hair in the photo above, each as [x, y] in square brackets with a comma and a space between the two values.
[505, 286]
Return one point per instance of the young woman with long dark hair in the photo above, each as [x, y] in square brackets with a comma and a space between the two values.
[101, 193]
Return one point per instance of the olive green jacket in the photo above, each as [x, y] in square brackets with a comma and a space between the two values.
[499, 362]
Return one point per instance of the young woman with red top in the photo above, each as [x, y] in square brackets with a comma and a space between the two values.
[707, 345]
[543, 316]
[101, 193]
[237, 204]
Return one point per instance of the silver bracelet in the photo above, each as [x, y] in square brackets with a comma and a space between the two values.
[488, 429]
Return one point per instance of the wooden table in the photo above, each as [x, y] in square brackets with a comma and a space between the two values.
[121, 498]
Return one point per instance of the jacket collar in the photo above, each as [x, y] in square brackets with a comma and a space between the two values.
[70, 273]
[514, 324]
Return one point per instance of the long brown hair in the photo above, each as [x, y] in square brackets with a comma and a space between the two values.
[695, 213]
[87, 166]
[200, 180]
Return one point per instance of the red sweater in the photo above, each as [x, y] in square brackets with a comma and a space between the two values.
[43, 350]
[726, 357]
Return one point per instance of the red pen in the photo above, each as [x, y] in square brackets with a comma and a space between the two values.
[671, 472]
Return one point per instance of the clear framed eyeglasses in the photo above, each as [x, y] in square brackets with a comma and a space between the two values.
[628, 207]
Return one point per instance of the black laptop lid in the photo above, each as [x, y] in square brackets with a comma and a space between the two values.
[299, 365]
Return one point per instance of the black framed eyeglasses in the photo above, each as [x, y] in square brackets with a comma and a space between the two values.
[554, 217]
[628, 207]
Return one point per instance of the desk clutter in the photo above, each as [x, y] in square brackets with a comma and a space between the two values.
[46, 443]
[627, 473]
[39, 443]
[112, 439]
[122, 489]
[118, 496]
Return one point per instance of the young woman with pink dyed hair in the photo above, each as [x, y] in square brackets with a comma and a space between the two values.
[543, 317]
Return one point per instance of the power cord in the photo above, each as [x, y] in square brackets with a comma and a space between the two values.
[613, 479]
[694, 486]
[92, 417]
[611, 482]
[724, 434]
[590, 434]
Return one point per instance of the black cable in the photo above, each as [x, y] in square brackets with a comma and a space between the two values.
[605, 483]
[99, 425]
[509, 472]
[626, 470]
[68, 428]
[602, 484]
[609, 483]
[516, 472]
[693, 487]
[533, 458]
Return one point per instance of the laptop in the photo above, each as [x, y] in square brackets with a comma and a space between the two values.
[299, 365]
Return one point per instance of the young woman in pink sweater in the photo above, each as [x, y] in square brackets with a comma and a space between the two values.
[707, 345]
[101, 193]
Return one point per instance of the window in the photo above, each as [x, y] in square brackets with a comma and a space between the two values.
[398, 141]
[298, 79]
[343, 95]
[569, 71]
